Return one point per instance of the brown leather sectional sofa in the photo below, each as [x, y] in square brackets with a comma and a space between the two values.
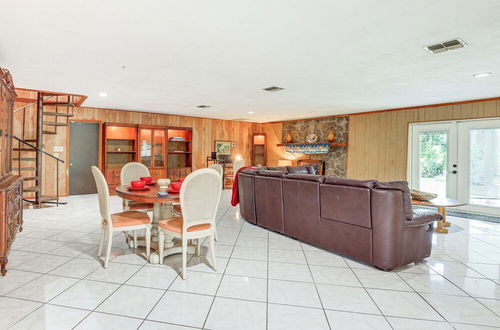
[370, 221]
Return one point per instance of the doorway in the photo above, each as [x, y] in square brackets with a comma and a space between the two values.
[83, 153]
[458, 159]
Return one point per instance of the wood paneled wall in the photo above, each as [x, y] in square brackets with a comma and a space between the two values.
[205, 132]
[273, 136]
[378, 142]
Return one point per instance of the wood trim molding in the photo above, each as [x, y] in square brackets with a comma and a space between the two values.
[387, 110]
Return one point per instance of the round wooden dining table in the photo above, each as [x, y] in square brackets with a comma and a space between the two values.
[162, 209]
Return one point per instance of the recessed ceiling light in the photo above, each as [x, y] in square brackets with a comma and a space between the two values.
[273, 89]
[203, 106]
[250, 112]
[482, 74]
[103, 94]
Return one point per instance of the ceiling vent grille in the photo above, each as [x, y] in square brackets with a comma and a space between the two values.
[273, 89]
[203, 106]
[446, 46]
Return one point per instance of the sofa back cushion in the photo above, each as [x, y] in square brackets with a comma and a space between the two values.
[346, 203]
[297, 169]
[403, 187]
[277, 168]
[269, 201]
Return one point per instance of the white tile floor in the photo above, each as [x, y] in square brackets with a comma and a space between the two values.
[263, 281]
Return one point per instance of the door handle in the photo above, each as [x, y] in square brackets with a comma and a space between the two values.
[453, 172]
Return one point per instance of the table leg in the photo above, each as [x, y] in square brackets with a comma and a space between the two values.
[445, 223]
[441, 223]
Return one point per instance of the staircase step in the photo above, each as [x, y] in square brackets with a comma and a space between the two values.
[48, 199]
[30, 178]
[24, 158]
[32, 189]
[24, 168]
[49, 132]
[63, 114]
[52, 123]
[57, 104]
[23, 149]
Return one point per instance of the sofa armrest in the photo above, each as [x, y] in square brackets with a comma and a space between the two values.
[422, 217]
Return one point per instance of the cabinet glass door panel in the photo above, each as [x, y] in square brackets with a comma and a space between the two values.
[159, 148]
[145, 146]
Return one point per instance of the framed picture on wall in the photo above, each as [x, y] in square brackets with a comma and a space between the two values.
[223, 147]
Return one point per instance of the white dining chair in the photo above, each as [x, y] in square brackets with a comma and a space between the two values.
[199, 196]
[238, 163]
[123, 221]
[131, 172]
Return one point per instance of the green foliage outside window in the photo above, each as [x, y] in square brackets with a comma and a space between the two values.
[433, 153]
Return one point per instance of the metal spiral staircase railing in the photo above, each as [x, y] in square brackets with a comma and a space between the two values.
[53, 110]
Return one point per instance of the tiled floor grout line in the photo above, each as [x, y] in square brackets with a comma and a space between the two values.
[316, 287]
[422, 297]
[222, 277]
[167, 290]
[369, 295]
[459, 257]
[469, 295]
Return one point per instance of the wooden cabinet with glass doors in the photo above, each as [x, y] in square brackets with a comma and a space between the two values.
[179, 152]
[120, 148]
[152, 147]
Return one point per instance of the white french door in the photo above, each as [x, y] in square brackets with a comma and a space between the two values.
[458, 159]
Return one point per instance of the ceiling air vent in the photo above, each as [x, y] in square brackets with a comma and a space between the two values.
[446, 46]
[273, 89]
[203, 106]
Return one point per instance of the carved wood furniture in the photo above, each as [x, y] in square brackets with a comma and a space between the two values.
[11, 186]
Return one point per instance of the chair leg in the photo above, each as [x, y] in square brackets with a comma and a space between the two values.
[198, 247]
[161, 244]
[212, 250]
[184, 257]
[148, 242]
[108, 248]
[215, 234]
[103, 238]
[135, 238]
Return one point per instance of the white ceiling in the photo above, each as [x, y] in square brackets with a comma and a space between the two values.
[332, 56]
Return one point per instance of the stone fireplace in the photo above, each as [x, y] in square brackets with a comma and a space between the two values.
[336, 158]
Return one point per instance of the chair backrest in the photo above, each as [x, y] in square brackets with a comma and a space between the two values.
[217, 167]
[238, 163]
[102, 192]
[133, 171]
[199, 196]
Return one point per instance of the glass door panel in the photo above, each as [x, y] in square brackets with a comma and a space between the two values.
[145, 146]
[433, 158]
[484, 167]
[159, 148]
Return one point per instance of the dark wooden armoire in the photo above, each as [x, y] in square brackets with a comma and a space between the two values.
[11, 186]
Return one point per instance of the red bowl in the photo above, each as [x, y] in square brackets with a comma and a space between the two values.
[138, 184]
[175, 185]
[146, 179]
